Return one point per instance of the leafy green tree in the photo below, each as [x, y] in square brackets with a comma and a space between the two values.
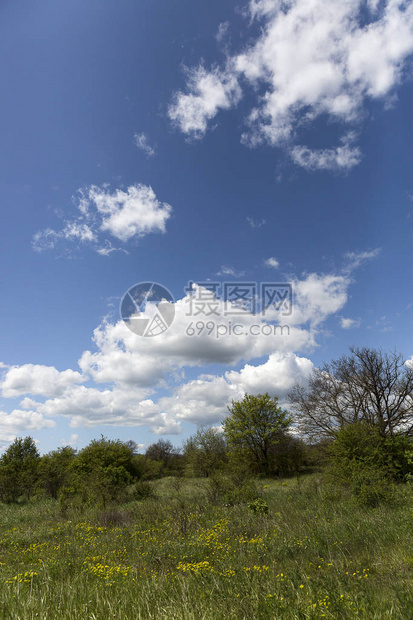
[19, 470]
[360, 445]
[54, 469]
[165, 458]
[205, 452]
[288, 456]
[256, 425]
[162, 450]
[102, 471]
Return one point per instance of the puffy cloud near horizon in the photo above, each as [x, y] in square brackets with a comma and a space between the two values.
[308, 60]
[19, 420]
[123, 214]
[37, 380]
[144, 378]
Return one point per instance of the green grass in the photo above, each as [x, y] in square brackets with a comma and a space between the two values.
[316, 554]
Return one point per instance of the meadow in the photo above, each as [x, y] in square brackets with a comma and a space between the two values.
[305, 550]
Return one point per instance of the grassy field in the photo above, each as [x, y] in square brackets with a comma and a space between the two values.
[177, 555]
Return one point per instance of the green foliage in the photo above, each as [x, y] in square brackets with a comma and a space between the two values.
[205, 452]
[19, 470]
[102, 471]
[259, 506]
[163, 459]
[368, 463]
[371, 486]
[141, 490]
[363, 444]
[54, 470]
[233, 488]
[256, 425]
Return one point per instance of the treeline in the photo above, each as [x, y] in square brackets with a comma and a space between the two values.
[355, 419]
[110, 471]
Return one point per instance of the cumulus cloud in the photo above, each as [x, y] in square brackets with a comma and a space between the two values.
[21, 421]
[140, 381]
[208, 92]
[277, 376]
[143, 145]
[309, 60]
[126, 359]
[37, 379]
[89, 407]
[123, 214]
[317, 297]
[272, 262]
[205, 400]
[341, 158]
[349, 323]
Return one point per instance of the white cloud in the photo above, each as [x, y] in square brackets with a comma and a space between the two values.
[142, 143]
[126, 359]
[349, 323]
[134, 369]
[124, 214]
[310, 59]
[201, 401]
[277, 376]
[37, 379]
[222, 31]
[317, 297]
[134, 213]
[341, 158]
[255, 223]
[230, 271]
[356, 259]
[205, 400]
[89, 407]
[272, 262]
[73, 441]
[19, 421]
[209, 92]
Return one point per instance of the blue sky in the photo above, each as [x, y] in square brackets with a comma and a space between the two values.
[176, 141]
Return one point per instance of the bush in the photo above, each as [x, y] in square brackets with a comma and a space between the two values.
[367, 463]
[360, 444]
[371, 486]
[141, 490]
[232, 489]
[259, 506]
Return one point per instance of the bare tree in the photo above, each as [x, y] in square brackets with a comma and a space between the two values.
[367, 386]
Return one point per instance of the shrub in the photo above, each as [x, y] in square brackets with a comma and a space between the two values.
[259, 506]
[362, 445]
[142, 489]
[371, 486]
